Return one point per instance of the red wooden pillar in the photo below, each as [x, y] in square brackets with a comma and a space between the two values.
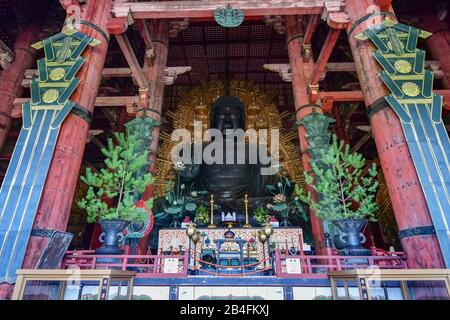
[410, 208]
[152, 99]
[11, 79]
[54, 208]
[339, 125]
[154, 73]
[438, 43]
[300, 73]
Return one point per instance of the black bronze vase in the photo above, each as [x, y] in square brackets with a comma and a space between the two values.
[111, 236]
[350, 237]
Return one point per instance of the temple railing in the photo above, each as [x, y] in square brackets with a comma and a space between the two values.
[146, 266]
[279, 264]
[257, 268]
[317, 266]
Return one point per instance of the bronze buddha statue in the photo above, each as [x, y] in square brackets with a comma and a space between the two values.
[229, 182]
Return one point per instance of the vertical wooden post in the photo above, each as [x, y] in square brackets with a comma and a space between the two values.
[438, 43]
[301, 72]
[339, 125]
[154, 73]
[59, 188]
[408, 201]
[11, 79]
[151, 99]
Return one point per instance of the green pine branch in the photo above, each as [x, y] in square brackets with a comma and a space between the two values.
[345, 191]
[123, 180]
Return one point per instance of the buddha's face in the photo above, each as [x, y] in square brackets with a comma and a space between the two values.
[228, 117]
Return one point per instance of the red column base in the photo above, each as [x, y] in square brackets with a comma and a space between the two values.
[6, 291]
[422, 252]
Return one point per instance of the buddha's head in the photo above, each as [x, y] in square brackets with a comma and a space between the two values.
[227, 113]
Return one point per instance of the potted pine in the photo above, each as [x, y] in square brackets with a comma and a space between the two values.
[346, 191]
[201, 215]
[261, 215]
[114, 190]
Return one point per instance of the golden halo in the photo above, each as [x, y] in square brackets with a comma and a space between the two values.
[260, 113]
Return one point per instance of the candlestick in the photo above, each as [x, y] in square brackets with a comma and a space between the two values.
[246, 225]
[212, 225]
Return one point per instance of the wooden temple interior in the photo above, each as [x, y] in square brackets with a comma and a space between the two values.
[164, 54]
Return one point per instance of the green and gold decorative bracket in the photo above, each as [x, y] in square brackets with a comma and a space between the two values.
[42, 118]
[420, 113]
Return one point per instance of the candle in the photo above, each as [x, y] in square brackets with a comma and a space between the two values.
[246, 225]
[212, 225]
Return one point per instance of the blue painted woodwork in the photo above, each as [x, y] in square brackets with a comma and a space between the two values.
[420, 113]
[42, 118]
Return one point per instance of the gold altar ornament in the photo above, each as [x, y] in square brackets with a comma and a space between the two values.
[191, 229]
[268, 230]
[212, 225]
[262, 236]
[196, 237]
[246, 225]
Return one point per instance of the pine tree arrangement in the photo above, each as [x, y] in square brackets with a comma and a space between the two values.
[201, 214]
[261, 215]
[123, 180]
[341, 185]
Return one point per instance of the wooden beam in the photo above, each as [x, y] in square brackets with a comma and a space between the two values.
[284, 69]
[170, 74]
[335, 15]
[141, 25]
[383, 4]
[99, 102]
[325, 53]
[361, 141]
[117, 25]
[356, 96]
[310, 28]
[127, 50]
[337, 96]
[342, 95]
[205, 8]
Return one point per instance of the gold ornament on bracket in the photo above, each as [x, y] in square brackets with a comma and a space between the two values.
[57, 74]
[50, 96]
[403, 66]
[411, 89]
